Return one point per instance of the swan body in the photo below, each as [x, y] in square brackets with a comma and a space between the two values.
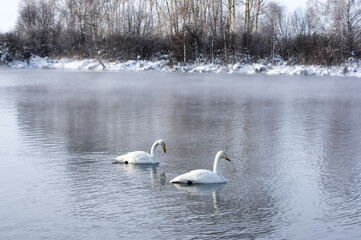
[202, 176]
[141, 157]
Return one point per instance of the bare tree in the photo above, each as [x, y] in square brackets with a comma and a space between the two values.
[273, 21]
[188, 30]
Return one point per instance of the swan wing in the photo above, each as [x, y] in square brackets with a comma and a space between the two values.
[199, 176]
[138, 157]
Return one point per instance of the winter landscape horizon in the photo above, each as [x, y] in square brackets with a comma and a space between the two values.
[323, 34]
[352, 68]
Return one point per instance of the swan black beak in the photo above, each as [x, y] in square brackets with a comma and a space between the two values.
[164, 149]
[227, 158]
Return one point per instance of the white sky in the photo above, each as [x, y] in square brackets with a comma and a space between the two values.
[9, 11]
[8, 14]
[292, 4]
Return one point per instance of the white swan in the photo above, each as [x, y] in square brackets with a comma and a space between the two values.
[140, 157]
[202, 176]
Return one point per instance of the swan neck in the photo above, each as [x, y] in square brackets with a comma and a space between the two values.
[152, 150]
[216, 165]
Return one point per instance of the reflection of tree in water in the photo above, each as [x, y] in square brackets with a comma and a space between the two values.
[37, 115]
[203, 126]
[341, 154]
[88, 120]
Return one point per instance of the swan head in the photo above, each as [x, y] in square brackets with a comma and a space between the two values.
[222, 154]
[162, 143]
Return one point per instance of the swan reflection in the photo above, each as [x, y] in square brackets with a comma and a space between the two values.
[138, 170]
[204, 189]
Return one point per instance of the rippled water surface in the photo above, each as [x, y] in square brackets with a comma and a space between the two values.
[295, 145]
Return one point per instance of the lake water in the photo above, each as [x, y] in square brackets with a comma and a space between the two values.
[294, 142]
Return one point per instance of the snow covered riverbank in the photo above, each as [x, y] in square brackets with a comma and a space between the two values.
[349, 69]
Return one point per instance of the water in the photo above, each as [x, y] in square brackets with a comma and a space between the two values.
[295, 145]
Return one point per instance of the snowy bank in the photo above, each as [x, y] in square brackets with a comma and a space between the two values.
[350, 69]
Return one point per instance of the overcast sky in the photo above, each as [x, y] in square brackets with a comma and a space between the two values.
[9, 8]
[8, 14]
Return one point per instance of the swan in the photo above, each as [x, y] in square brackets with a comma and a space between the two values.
[141, 157]
[202, 176]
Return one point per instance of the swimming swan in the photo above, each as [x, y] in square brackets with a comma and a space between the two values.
[202, 176]
[140, 157]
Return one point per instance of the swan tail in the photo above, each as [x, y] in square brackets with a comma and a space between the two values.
[119, 160]
[175, 180]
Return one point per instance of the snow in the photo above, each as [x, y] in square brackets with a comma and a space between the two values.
[351, 68]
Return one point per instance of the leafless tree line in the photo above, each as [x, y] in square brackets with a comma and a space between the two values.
[325, 32]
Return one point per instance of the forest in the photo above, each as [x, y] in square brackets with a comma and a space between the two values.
[223, 31]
